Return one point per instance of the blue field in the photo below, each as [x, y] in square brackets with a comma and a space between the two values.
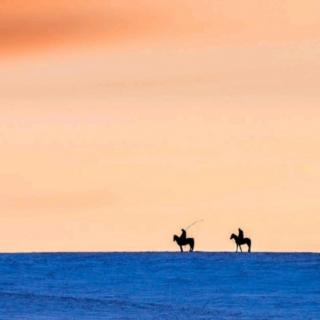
[76, 286]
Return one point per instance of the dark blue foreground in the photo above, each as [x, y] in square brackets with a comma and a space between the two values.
[159, 286]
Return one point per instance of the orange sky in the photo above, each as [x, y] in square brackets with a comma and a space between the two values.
[122, 122]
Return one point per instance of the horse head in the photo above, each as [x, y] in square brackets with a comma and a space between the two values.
[233, 236]
[175, 238]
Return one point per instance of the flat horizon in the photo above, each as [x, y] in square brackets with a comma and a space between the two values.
[178, 252]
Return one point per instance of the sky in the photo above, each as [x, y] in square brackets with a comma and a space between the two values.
[122, 122]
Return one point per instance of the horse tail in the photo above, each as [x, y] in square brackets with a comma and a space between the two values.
[191, 243]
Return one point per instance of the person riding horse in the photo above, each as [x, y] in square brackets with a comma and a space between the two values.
[240, 240]
[183, 240]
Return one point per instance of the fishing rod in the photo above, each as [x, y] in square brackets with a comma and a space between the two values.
[193, 223]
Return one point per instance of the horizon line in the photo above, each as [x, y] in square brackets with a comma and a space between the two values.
[157, 251]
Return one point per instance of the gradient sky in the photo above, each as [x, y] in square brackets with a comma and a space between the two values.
[122, 121]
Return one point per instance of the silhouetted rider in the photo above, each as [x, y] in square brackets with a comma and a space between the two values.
[183, 234]
[240, 236]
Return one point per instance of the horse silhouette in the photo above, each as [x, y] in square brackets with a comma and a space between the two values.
[240, 242]
[183, 242]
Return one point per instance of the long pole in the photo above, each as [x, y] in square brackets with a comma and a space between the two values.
[193, 223]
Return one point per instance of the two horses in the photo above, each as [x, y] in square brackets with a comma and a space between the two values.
[190, 241]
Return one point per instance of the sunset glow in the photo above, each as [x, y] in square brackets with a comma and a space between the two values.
[122, 122]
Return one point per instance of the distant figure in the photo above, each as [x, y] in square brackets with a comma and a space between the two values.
[183, 240]
[240, 240]
[240, 236]
[183, 236]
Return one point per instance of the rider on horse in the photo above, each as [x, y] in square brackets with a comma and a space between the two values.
[240, 240]
[183, 240]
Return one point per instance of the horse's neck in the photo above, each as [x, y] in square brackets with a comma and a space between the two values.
[237, 240]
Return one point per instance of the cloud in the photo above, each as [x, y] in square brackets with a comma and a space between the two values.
[30, 25]
[26, 26]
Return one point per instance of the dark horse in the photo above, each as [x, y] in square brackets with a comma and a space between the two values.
[184, 242]
[240, 242]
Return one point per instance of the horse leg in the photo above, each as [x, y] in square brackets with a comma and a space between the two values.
[181, 249]
[237, 248]
[240, 247]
